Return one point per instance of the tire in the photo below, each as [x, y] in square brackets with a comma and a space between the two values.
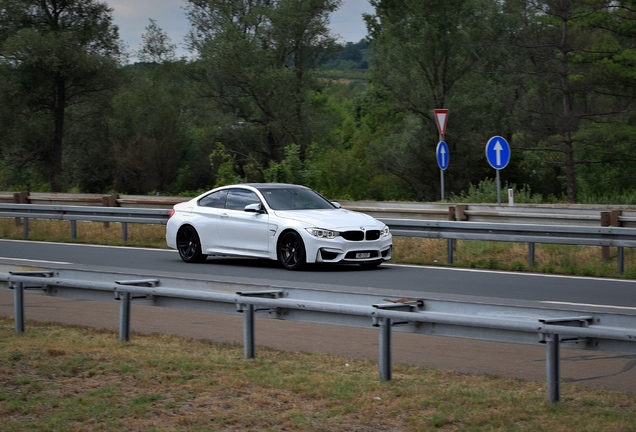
[189, 245]
[291, 251]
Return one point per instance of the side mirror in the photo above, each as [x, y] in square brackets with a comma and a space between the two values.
[336, 204]
[254, 208]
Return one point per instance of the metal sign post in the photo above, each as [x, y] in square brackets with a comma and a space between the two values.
[498, 155]
[443, 157]
[441, 152]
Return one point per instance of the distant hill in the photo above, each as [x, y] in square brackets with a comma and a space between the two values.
[348, 63]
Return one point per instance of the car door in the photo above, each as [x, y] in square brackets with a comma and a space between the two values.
[240, 231]
[206, 217]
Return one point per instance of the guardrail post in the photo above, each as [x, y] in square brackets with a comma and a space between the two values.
[385, 348]
[249, 336]
[73, 229]
[605, 222]
[124, 317]
[385, 324]
[109, 201]
[450, 248]
[460, 214]
[249, 310]
[615, 222]
[612, 219]
[531, 255]
[18, 296]
[553, 371]
[124, 231]
[126, 299]
[20, 198]
[552, 341]
[450, 243]
[18, 306]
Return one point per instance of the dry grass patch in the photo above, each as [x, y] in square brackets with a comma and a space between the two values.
[61, 378]
[145, 235]
[558, 259]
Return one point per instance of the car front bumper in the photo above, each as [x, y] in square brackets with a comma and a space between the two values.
[343, 251]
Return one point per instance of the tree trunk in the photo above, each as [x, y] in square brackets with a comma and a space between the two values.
[568, 121]
[59, 103]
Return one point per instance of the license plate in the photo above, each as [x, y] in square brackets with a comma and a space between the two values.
[362, 255]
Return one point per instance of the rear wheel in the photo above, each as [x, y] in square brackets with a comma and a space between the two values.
[291, 250]
[189, 245]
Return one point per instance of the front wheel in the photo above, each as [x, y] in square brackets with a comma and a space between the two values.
[189, 245]
[291, 250]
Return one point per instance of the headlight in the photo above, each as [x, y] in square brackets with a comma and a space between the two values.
[322, 233]
[385, 231]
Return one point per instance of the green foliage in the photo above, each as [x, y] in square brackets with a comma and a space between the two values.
[272, 96]
[290, 170]
[223, 165]
[350, 56]
[257, 69]
[486, 192]
[147, 128]
[57, 55]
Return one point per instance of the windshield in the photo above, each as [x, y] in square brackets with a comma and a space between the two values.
[295, 199]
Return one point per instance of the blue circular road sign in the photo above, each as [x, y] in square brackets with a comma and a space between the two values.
[498, 152]
[443, 155]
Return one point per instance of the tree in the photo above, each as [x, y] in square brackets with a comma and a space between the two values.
[149, 127]
[606, 153]
[157, 46]
[572, 82]
[56, 54]
[431, 55]
[257, 62]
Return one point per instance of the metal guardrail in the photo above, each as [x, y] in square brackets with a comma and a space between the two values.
[564, 214]
[83, 213]
[547, 234]
[503, 323]
[579, 215]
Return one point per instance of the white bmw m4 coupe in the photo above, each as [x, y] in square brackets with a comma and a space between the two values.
[289, 223]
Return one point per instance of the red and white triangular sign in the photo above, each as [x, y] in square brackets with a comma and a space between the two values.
[441, 117]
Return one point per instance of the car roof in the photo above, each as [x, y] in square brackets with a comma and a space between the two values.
[272, 185]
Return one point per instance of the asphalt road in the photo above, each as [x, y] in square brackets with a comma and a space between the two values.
[608, 370]
[479, 285]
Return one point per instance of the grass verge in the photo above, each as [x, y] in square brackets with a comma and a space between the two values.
[64, 378]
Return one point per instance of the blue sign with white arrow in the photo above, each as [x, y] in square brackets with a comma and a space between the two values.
[443, 155]
[498, 152]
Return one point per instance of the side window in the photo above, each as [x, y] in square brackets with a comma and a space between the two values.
[215, 199]
[237, 199]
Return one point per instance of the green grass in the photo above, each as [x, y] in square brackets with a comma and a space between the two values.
[64, 378]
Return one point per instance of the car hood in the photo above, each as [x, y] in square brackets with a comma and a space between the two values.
[330, 219]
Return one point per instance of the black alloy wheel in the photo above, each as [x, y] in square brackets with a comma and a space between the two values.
[291, 250]
[189, 245]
